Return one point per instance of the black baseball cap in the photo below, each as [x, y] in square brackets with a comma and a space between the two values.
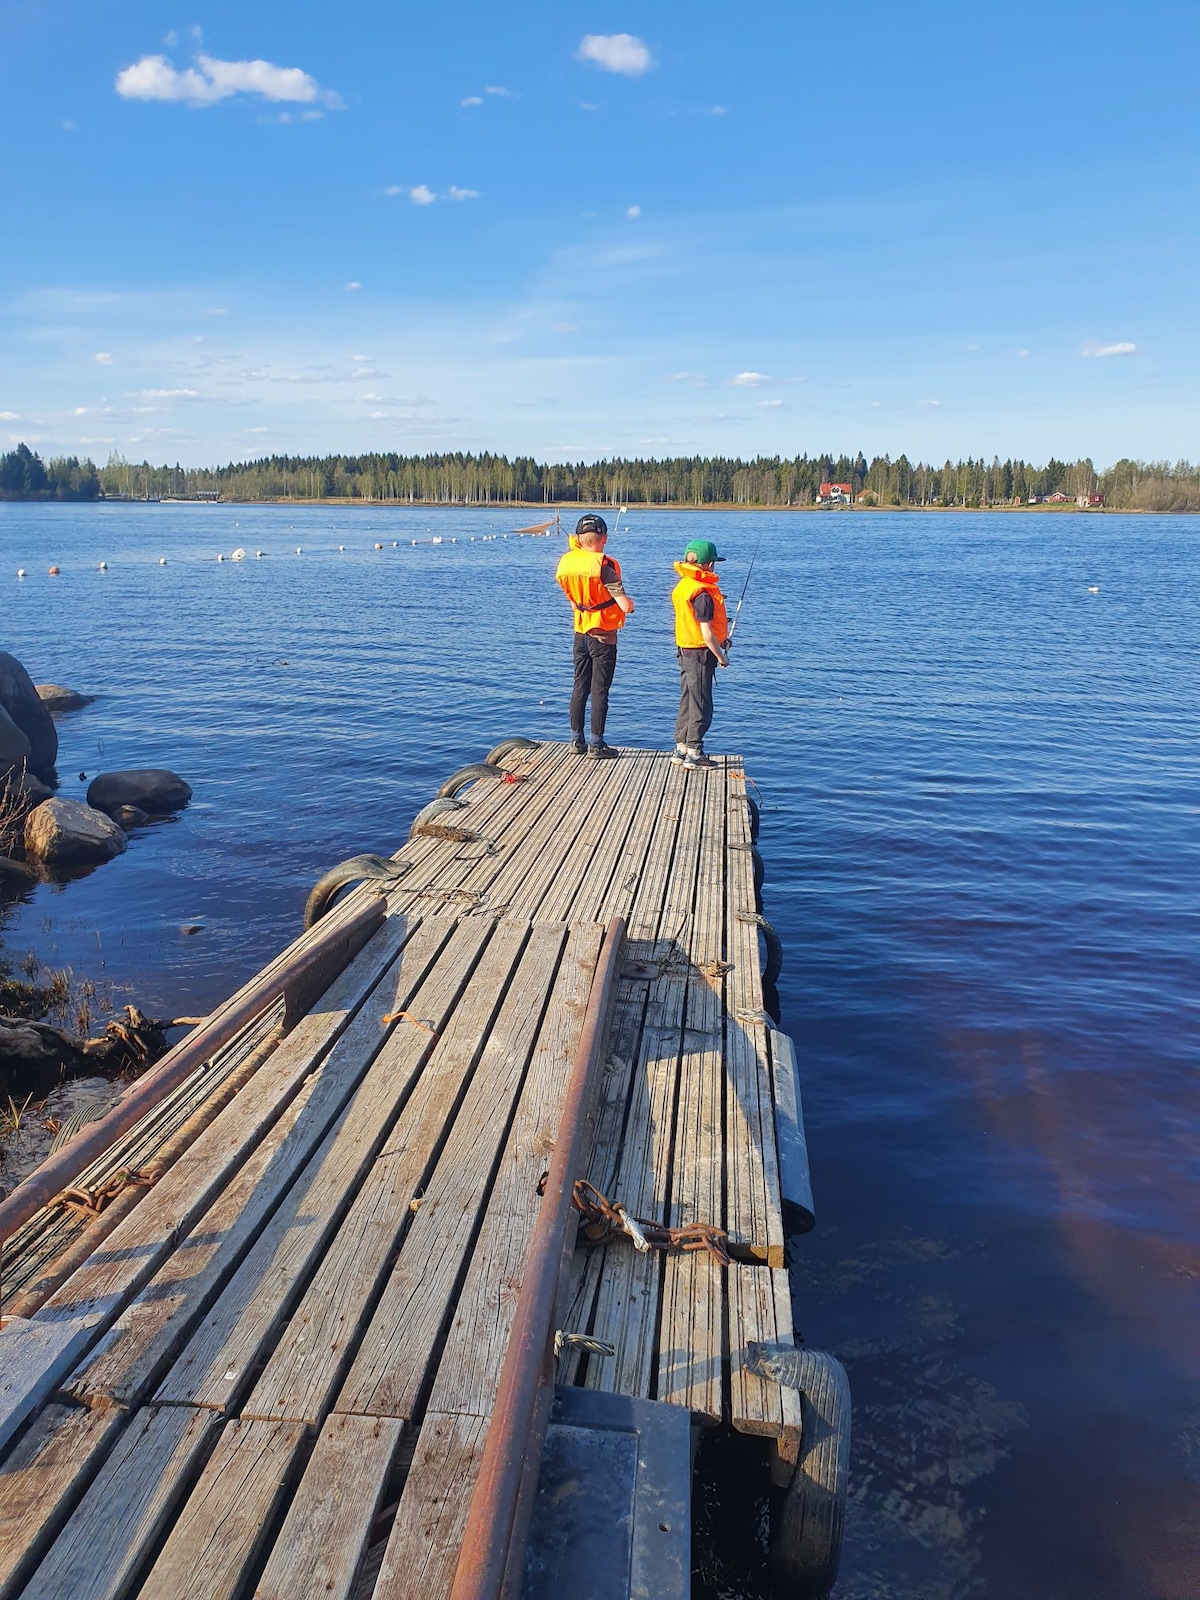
[591, 523]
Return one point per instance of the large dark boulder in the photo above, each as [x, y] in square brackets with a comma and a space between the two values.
[15, 748]
[68, 833]
[55, 698]
[20, 699]
[151, 789]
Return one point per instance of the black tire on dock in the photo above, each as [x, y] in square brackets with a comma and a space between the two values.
[773, 965]
[435, 808]
[755, 817]
[465, 775]
[806, 1533]
[760, 873]
[355, 870]
[506, 748]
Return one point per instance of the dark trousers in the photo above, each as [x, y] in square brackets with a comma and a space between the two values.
[595, 663]
[696, 671]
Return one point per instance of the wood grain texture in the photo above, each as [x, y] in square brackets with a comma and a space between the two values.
[326, 1531]
[760, 1308]
[99, 1552]
[41, 1480]
[242, 1325]
[225, 1519]
[472, 1058]
[423, 1548]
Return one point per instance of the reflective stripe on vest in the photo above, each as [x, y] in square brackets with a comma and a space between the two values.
[695, 580]
[579, 575]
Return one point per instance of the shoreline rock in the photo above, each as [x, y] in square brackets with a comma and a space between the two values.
[56, 698]
[19, 700]
[68, 833]
[153, 789]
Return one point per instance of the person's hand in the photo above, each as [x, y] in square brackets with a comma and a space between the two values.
[723, 660]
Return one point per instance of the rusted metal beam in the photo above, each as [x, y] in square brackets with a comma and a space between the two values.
[494, 1539]
[301, 974]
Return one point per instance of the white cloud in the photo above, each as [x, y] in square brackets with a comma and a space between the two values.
[70, 127]
[496, 88]
[767, 405]
[930, 405]
[1023, 354]
[395, 188]
[103, 358]
[634, 211]
[463, 194]
[1100, 350]
[360, 358]
[586, 105]
[354, 284]
[750, 380]
[472, 100]
[422, 195]
[697, 380]
[9, 416]
[212, 80]
[164, 394]
[616, 52]
[216, 311]
[79, 411]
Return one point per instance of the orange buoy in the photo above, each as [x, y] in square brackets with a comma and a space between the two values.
[54, 572]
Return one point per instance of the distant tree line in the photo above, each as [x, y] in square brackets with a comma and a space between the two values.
[461, 479]
[25, 476]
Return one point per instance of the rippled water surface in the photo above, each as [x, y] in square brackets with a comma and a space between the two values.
[982, 848]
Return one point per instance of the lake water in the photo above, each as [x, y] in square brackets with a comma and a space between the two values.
[982, 848]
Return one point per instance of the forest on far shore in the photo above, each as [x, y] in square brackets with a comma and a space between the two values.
[486, 479]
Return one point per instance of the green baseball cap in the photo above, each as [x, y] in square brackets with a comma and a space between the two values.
[700, 551]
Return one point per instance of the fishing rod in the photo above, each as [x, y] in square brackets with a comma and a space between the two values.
[742, 596]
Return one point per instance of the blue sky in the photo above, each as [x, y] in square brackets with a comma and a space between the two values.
[573, 230]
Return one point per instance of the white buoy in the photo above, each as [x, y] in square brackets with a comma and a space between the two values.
[20, 572]
[378, 546]
[258, 555]
[104, 566]
[299, 550]
[341, 547]
[220, 558]
[238, 555]
[414, 541]
[395, 544]
[162, 561]
[1094, 589]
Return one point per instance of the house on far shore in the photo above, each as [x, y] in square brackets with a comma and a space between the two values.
[1058, 498]
[1088, 502]
[835, 494]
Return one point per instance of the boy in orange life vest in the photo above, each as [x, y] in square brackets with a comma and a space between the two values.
[592, 583]
[701, 631]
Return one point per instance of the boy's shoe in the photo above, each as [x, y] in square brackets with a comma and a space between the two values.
[697, 760]
[679, 755]
[602, 752]
[579, 745]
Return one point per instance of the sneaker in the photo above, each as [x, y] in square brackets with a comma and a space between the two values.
[578, 745]
[602, 752]
[697, 760]
[679, 755]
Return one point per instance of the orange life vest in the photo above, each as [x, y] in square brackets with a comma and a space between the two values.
[579, 574]
[695, 580]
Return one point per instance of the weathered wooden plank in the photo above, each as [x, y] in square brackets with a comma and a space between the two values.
[608, 887]
[795, 1180]
[130, 1358]
[597, 834]
[41, 1480]
[426, 1537]
[469, 1370]
[99, 1552]
[760, 1308]
[325, 1534]
[691, 1332]
[626, 1307]
[213, 1367]
[225, 1519]
[754, 1209]
[390, 1372]
[479, 1056]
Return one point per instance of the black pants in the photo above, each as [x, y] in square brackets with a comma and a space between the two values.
[595, 663]
[696, 671]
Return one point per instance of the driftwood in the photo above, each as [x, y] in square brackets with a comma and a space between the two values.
[34, 1051]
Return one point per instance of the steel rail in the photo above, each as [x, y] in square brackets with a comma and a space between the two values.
[301, 974]
[494, 1538]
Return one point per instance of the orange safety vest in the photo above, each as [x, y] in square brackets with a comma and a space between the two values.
[695, 580]
[579, 574]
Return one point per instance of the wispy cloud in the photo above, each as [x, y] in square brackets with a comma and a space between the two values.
[472, 100]
[634, 211]
[463, 194]
[750, 380]
[616, 52]
[930, 405]
[499, 89]
[422, 195]
[695, 380]
[354, 284]
[211, 80]
[9, 416]
[104, 358]
[767, 405]
[1101, 350]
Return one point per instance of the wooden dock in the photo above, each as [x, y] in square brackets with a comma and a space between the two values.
[272, 1369]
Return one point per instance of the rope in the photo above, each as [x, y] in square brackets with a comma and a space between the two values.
[602, 1218]
[407, 1016]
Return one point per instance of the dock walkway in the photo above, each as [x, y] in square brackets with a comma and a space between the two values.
[274, 1375]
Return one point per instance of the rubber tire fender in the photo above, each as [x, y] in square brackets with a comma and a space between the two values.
[806, 1535]
[755, 816]
[435, 808]
[774, 962]
[465, 775]
[506, 748]
[356, 870]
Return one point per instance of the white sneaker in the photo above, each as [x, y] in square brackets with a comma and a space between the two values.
[679, 755]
